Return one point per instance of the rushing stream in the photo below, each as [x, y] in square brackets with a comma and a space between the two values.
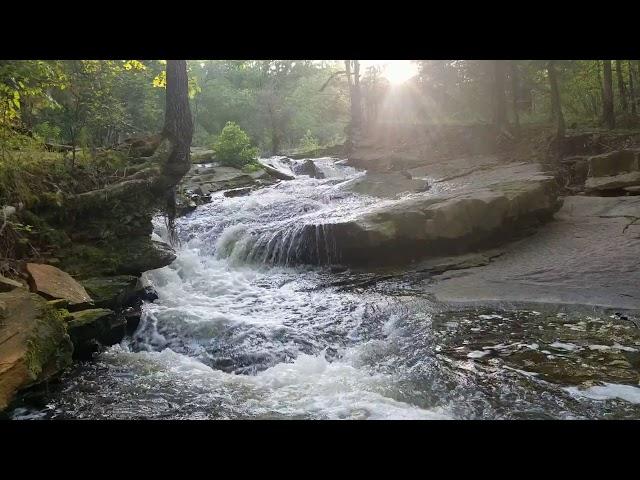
[238, 332]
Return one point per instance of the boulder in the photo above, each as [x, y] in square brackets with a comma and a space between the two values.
[437, 225]
[613, 163]
[112, 292]
[141, 255]
[34, 344]
[308, 167]
[7, 284]
[52, 283]
[475, 203]
[90, 329]
[613, 182]
[274, 172]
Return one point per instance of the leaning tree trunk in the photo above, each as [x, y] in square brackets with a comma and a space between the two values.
[555, 97]
[621, 89]
[608, 115]
[499, 97]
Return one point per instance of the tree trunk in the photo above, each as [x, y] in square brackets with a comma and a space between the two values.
[357, 97]
[608, 115]
[178, 125]
[515, 85]
[621, 88]
[499, 97]
[632, 91]
[600, 82]
[555, 97]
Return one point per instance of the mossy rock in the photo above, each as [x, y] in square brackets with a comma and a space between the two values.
[89, 329]
[111, 292]
[34, 344]
[120, 257]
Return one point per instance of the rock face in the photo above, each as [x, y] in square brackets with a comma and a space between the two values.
[53, 283]
[34, 345]
[482, 205]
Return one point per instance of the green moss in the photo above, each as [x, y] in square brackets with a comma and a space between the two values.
[49, 348]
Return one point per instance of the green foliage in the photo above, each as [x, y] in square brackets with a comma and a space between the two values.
[233, 147]
[252, 167]
[309, 142]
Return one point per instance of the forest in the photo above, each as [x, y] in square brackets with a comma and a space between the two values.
[319, 239]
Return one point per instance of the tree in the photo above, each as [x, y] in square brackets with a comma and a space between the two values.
[622, 94]
[178, 124]
[555, 97]
[515, 86]
[608, 115]
[632, 91]
[499, 96]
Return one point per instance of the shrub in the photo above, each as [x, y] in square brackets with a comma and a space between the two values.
[233, 147]
[309, 142]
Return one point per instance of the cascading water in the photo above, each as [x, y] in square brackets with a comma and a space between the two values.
[241, 330]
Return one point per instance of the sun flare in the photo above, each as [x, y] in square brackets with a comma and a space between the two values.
[396, 71]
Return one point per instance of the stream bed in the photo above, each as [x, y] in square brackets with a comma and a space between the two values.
[240, 331]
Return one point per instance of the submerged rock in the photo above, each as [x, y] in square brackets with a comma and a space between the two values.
[34, 345]
[53, 283]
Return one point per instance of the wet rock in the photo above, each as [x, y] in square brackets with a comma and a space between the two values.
[34, 345]
[89, 329]
[7, 284]
[238, 192]
[308, 167]
[480, 209]
[386, 185]
[274, 172]
[53, 283]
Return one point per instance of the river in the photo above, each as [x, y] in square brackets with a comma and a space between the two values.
[241, 331]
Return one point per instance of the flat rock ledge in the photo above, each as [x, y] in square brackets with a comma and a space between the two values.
[480, 206]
